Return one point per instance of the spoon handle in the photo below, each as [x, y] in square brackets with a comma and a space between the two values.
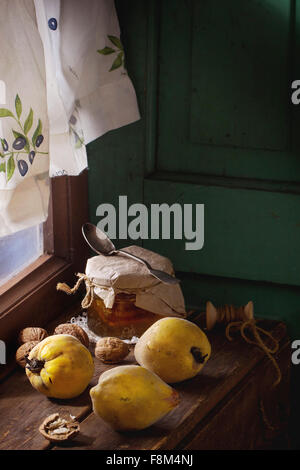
[160, 275]
[143, 261]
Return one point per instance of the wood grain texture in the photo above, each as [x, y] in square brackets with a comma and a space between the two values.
[235, 74]
[228, 112]
[22, 409]
[246, 419]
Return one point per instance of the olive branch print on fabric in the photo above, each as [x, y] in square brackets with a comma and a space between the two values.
[79, 140]
[22, 144]
[119, 60]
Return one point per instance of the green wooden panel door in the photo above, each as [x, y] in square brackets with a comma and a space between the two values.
[228, 135]
[249, 234]
[224, 85]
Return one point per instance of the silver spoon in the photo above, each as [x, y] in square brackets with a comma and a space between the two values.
[101, 244]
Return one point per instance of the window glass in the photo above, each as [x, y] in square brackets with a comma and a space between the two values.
[19, 250]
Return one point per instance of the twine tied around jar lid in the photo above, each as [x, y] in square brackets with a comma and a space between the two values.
[89, 296]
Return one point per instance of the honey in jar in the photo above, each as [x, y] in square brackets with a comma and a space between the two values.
[124, 320]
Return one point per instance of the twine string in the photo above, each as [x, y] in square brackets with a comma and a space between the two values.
[235, 317]
[256, 330]
[89, 296]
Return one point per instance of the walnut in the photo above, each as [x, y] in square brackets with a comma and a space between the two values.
[111, 350]
[57, 429]
[74, 330]
[24, 351]
[32, 334]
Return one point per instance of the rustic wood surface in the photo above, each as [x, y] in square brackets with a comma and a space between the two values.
[22, 409]
[238, 423]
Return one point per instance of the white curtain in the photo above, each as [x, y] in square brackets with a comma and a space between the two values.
[63, 83]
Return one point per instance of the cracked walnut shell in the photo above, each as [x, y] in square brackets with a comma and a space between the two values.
[57, 429]
[73, 330]
[111, 350]
[32, 333]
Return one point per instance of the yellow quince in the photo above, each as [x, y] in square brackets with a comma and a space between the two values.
[60, 366]
[132, 398]
[173, 348]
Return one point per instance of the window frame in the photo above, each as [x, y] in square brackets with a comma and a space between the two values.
[31, 298]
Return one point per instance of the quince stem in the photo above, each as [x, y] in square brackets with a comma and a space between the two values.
[34, 365]
[198, 356]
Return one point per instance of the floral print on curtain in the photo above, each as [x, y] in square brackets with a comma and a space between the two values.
[63, 69]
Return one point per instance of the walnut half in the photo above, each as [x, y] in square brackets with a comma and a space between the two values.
[58, 429]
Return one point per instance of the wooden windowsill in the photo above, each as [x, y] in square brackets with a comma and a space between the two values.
[31, 298]
[22, 284]
[34, 300]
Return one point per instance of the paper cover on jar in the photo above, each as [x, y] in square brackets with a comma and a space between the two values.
[111, 275]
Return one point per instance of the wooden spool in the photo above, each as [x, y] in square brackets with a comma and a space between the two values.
[227, 314]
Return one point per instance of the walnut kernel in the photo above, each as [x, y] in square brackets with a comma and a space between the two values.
[74, 330]
[32, 333]
[111, 350]
[56, 428]
[23, 351]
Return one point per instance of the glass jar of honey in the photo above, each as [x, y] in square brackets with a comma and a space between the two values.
[122, 298]
[124, 320]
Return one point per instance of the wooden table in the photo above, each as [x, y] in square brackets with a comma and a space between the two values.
[229, 405]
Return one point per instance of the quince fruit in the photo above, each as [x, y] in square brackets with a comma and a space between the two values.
[132, 398]
[60, 366]
[173, 348]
